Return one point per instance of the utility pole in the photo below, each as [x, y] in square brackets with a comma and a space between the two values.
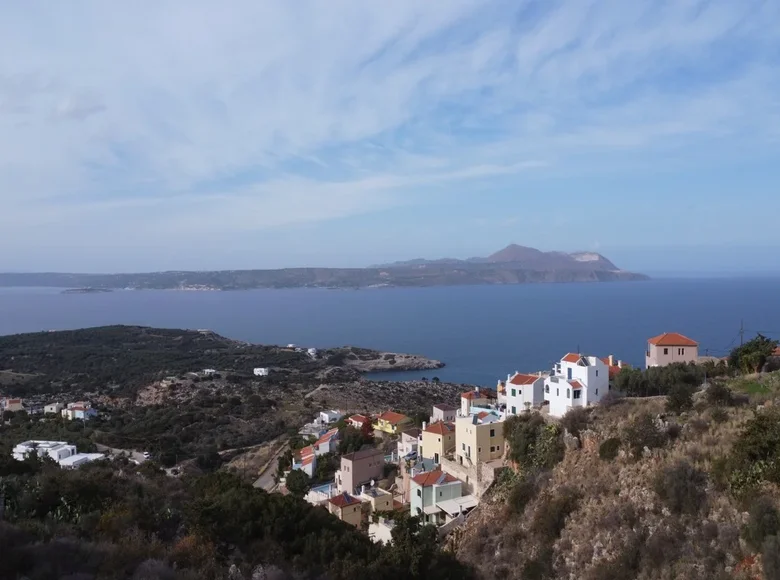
[741, 332]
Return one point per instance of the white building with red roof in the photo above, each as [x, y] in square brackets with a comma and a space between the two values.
[327, 443]
[523, 392]
[576, 381]
[669, 348]
[305, 460]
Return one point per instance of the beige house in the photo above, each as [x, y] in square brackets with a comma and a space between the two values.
[444, 412]
[359, 468]
[378, 500]
[670, 347]
[438, 440]
[479, 437]
[346, 508]
[14, 405]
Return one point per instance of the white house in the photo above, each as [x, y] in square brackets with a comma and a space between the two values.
[305, 460]
[62, 453]
[330, 416]
[327, 443]
[576, 381]
[14, 405]
[409, 441]
[209, 372]
[81, 410]
[262, 372]
[444, 412]
[522, 392]
[312, 352]
[53, 408]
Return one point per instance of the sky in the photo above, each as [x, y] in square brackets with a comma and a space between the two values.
[193, 134]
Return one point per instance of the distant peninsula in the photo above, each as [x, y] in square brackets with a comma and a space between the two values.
[86, 290]
[512, 265]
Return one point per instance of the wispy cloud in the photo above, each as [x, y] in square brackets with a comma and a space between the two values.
[267, 114]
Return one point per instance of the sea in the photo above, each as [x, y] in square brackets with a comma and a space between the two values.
[481, 333]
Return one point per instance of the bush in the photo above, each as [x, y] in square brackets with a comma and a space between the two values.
[719, 395]
[763, 521]
[609, 449]
[719, 415]
[550, 516]
[643, 432]
[575, 421]
[681, 488]
[521, 495]
[680, 398]
[533, 443]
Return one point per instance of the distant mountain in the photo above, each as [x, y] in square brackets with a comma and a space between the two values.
[512, 265]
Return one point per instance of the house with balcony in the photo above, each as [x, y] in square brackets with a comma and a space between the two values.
[357, 421]
[360, 468]
[576, 380]
[669, 348]
[444, 412]
[438, 440]
[430, 492]
[523, 392]
[479, 438]
[347, 508]
[391, 422]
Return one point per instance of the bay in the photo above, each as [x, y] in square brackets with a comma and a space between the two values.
[480, 332]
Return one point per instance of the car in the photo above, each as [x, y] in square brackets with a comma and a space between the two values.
[146, 455]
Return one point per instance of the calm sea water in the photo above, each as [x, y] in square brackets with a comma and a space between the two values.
[480, 332]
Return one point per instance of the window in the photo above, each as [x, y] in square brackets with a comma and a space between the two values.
[464, 446]
[492, 432]
[492, 448]
[546, 388]
[597, 391]
[440, 437]
[479, 449]
[568, 374]
[557, 392]
[680, 351]
[419, 492]
[568, 393]
[514, 393]
[597, 372]
[666, 351]
[514, 411]
[577, 394]
[498, 448]
[440, 494]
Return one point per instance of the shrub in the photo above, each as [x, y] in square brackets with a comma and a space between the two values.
[609, 449]
[550, 516]
[575, 421]
[681, 487]
[680, 398]
[533, 443]
[522, 493]
[719, 395]
[763, 521]
[643, 432]
[719, 415]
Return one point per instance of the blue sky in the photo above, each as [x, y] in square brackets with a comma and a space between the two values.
[199, 135]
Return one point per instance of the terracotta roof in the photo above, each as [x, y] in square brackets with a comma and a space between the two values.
[307, 451]
[482, 414]
[572, 358]
[672, 339]
[441, 428]
[436, 477]
[13, 401]
[344, 500]
[308, 460]
[327, 436]
[392, 417]
[519, 379]
[358, 418]
[445, 407]
[480, 394]
[363, 454]
[575, 385]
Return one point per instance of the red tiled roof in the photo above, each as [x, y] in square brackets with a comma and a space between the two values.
[480, 394]
[307, 451]
[344, 500]
[358, 418]
[13, 401]
[575, 385]
[441, 428]
[672, 339]
[392, 417]
[572, 358]
[433, 478]
[308, 460]
[327, 436]
[519, 379]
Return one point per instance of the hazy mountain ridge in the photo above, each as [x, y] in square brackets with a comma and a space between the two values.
[512, 265]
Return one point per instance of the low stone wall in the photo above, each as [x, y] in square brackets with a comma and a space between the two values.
[476, 479]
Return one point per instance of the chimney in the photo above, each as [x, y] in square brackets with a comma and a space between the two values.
[476, 389]
[612, 360]
[362, 489]
[620, 364]
[540, 373]
[424, 425]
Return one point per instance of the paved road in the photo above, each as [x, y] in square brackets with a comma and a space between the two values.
[266, 479]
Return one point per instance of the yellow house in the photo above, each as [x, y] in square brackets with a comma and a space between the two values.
[346, 508]
[479, 438]
[438, 440]
[391, 422]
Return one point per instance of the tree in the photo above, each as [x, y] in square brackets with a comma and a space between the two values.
[680, 398]
[751, 356]
[298, 483]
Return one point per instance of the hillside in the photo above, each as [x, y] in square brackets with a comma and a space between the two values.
[513, 265]
[635, 491]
